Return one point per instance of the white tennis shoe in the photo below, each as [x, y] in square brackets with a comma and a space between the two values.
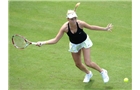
[105, 76]
[87, 77]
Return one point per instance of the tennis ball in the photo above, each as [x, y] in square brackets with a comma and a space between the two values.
[125, 79]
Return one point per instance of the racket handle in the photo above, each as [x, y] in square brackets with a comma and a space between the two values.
[33, 43]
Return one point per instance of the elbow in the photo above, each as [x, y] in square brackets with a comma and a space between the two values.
[55, 41]
[52, 41]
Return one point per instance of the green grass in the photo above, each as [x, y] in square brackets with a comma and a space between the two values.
[51, 67]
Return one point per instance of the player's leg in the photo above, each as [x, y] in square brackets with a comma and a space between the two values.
[78, 61]
[89, 63]
[87, 60]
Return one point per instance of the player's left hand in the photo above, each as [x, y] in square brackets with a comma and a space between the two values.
[109, 27]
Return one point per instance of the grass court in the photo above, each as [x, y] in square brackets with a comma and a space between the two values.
[51, 67]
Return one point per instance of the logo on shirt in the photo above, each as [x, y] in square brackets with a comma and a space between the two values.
[80, 32]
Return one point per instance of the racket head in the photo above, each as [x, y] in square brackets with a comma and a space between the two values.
[20, 42]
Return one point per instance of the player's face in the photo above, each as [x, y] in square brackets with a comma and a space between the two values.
[72, 20]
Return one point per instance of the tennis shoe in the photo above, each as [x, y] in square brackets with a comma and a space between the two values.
[105, 76]
[88, 77]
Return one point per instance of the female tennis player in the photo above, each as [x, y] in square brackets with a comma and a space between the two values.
[79, 43]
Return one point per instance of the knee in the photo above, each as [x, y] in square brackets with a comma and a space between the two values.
[78, 64]
[89, 64]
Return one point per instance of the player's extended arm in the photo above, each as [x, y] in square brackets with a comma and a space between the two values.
[54, 40]
[94, 27]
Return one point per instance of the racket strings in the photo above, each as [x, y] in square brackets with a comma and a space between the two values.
[19, 42]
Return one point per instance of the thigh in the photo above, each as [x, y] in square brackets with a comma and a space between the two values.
[77, 56]
[86, 54]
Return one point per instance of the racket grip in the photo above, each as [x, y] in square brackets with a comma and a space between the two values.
[33, 43]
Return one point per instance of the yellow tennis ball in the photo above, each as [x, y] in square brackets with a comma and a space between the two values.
[125, 79]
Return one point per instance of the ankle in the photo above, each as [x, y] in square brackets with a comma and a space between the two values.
[101, 70]
[88, 72]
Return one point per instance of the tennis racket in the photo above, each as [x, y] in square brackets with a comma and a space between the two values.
[21, 42]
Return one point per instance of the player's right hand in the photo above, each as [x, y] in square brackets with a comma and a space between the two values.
[39, 44]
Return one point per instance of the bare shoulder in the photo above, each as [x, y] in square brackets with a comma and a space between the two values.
[64, 27]
[81, 23]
